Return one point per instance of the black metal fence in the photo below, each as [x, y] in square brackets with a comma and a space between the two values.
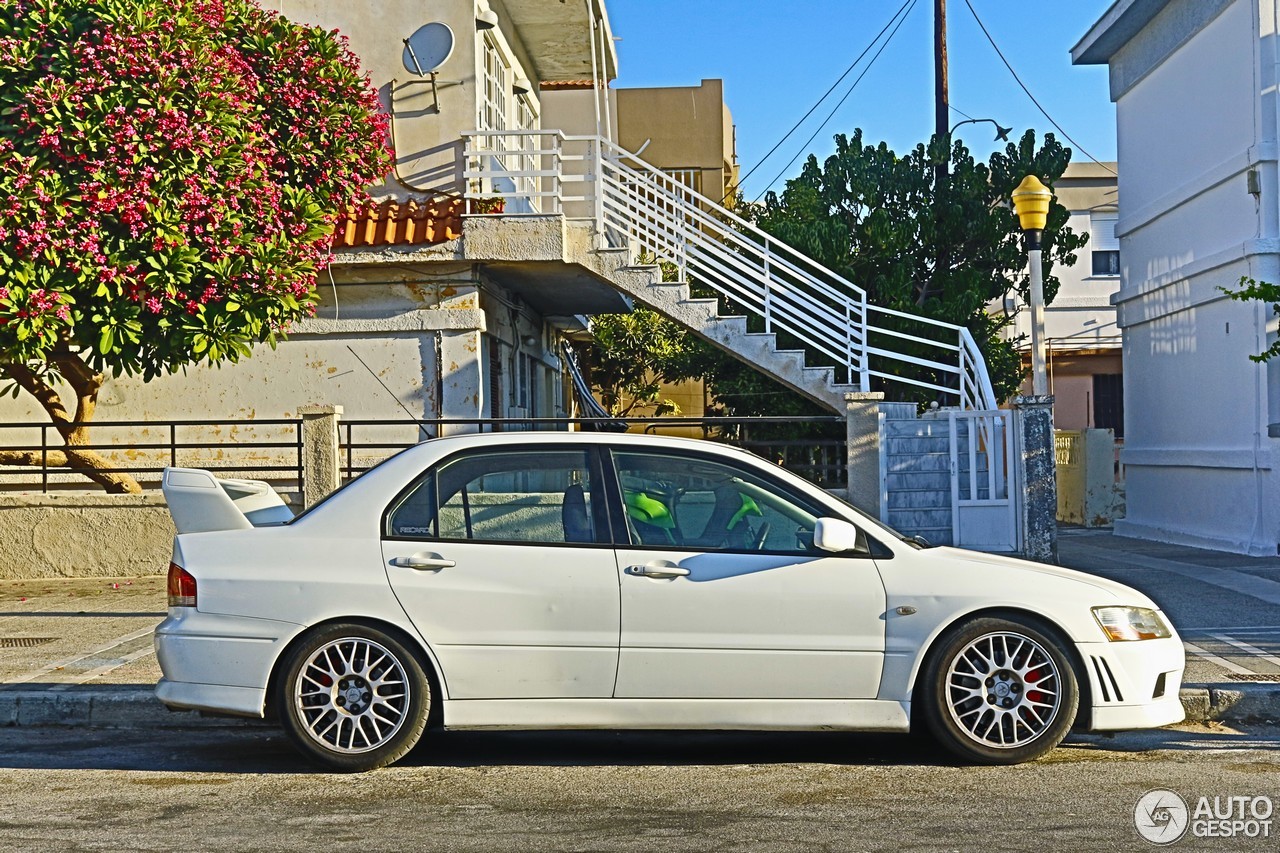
[821, 460]
[266, 449]
[272, 449]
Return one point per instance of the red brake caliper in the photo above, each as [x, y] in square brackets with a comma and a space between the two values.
[1033, 695]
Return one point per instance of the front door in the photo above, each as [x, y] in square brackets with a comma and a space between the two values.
[501, 558]
[724, 594]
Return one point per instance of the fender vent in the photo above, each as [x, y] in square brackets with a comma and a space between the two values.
[1106, 680]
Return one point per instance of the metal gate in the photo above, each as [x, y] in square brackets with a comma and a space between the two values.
[985, 493]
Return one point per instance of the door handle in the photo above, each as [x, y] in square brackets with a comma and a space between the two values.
[423, 561]
[658, 569]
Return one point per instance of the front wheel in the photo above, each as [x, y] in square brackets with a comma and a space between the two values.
[353, 698]
[999, 691]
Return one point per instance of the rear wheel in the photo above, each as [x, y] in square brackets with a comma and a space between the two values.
[353, 698]
[999, 691]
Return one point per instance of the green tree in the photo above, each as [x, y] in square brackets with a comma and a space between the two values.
[170, 171]
[1266, 291]
[631, 355]
[942, 247]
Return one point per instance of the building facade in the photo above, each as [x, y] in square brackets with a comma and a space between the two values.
[1198, 125]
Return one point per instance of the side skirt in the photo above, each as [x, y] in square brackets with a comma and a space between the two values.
[870, 715]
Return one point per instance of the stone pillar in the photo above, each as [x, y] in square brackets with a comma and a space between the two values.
[862, 437]
[1034, 423]
[320, 454]
[462, 390]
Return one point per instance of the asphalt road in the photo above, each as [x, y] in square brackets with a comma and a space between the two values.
[230, 790]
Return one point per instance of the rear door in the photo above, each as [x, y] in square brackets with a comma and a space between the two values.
[501, 557]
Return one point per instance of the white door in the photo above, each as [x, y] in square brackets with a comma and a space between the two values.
[984, 490]
[502, 560]
[725, 596]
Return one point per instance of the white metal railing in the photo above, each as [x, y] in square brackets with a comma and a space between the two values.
[636, 205]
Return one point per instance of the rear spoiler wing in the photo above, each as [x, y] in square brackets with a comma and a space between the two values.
[199, 502]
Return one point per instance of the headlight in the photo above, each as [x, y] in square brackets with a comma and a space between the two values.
[1131, 623]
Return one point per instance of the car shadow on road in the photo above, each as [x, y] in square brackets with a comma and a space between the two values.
[265, 750]
[632, 748]
[1185, 737]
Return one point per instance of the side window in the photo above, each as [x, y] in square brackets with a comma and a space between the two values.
[695, 503]
[543, 497]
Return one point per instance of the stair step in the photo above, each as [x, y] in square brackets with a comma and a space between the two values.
[919, 499]
[731, 324]
[899, 411]
[825, 375]
[935, 528]
[910, 480]
[916, 463]
[917, 429]
[770, 340]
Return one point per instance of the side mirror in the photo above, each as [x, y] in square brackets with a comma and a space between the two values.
[837, 536]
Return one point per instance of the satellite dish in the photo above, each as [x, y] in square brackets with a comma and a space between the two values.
[428, 48]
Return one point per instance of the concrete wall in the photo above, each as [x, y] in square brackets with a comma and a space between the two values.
[1199, 461]
[83, 535]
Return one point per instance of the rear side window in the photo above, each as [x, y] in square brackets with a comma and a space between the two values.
[547, 497]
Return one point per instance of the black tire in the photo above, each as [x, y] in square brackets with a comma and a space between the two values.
[353, 698]
[999, 691]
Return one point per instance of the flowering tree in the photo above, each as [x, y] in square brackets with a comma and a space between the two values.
[170, 171]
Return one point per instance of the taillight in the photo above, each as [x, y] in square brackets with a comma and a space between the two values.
[182, 587]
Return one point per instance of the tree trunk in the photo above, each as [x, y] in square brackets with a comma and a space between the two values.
[74, 431]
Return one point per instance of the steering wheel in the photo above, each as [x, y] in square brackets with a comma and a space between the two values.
[757, 543]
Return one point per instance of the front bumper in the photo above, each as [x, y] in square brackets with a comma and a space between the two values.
[1134, 685]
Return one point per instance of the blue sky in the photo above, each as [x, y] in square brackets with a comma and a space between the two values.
[777, 58]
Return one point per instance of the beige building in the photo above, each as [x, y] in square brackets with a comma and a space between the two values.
[686, 131]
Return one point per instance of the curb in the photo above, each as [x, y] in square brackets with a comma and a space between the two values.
[1231, 703]
[132, 707]
[137, 707]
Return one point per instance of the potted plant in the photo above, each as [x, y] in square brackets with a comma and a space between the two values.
[490, 204]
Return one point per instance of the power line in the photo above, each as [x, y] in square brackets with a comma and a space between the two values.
[818, 103]
[1043, 111]
[905, 11]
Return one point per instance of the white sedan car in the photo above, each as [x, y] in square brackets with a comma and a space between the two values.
[603, 581]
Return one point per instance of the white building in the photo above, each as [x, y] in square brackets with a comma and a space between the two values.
[1195, 88]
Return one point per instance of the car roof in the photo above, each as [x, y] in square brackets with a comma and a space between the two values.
[561, 437]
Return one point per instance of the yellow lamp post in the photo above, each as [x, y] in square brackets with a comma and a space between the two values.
[1031, 202]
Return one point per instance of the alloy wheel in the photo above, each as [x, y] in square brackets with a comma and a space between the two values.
[1003, 690]
[352, 695]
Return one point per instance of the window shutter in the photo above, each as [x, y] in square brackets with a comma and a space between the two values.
[1102, 232]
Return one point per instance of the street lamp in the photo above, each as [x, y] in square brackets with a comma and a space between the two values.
[1031, 201]
[1002, 133]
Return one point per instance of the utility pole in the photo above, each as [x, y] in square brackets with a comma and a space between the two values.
[942, 111]
[941, 100]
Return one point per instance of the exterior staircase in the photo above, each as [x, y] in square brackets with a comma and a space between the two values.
[917, 481]
[642, 213]
[730, 333]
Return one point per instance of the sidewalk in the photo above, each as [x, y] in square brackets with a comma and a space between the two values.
[79, 651]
